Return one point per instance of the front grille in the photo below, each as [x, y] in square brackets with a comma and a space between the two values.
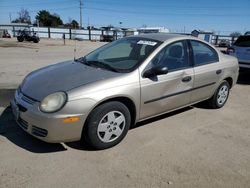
[22, 123]
[28, 99]
[39, 131]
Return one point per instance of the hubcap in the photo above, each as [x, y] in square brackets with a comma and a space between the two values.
[111, 126]
[222, 95]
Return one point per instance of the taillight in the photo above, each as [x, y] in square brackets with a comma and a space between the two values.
[230, 50]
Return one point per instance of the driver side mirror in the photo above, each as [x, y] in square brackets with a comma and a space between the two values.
[154, 71]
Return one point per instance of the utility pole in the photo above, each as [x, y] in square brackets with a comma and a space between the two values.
[81, 4]
[10, 17]
[37, 21]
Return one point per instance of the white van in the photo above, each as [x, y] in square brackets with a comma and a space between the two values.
[241, 50]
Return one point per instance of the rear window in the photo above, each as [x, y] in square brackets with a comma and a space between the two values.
[243, 41]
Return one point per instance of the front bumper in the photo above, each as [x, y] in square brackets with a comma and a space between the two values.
[50, 127]
[244, 64]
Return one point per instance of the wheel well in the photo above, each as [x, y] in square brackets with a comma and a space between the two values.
[230, 81]
[128, 103]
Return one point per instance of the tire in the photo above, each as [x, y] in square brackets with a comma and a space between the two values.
[35, 40]
[220, 96]
[107, 125]
[20, 39]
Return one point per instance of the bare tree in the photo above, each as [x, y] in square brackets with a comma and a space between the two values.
[23, 17]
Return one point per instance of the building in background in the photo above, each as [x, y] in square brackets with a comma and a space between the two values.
[204, 35]
[144, 30]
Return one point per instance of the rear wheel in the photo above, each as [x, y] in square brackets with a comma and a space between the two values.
[107, 125]
[220, 97]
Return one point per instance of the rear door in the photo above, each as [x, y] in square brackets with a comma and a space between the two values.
[207, 70]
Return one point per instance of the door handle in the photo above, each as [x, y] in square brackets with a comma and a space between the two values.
[186, 79]
[218, 71]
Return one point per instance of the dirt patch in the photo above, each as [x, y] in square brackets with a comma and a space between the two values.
[13, 44]
[54, 44]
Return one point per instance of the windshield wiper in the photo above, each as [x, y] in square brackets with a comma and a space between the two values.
[81, 60]
[101, 65]
[96, 64]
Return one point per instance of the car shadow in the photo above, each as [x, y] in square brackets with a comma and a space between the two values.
[203, 105]
[160, 117]
[84, 146]
[244, 77]
[80, 145]
[10, 130]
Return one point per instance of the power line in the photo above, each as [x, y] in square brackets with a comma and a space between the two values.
[49, 9]
[37, 3]
[133, 12]
[159, 13]
[148, 4]
[145, 4]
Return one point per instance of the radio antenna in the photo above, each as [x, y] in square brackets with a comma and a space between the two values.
[75, 43]
[75, 51]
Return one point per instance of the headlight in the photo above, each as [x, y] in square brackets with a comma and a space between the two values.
[53, 102]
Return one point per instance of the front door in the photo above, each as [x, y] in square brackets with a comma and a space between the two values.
[166, 92]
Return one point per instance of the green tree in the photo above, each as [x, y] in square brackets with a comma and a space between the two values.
[74, 24]
[23, 17]
[56, 20]
[47, 19]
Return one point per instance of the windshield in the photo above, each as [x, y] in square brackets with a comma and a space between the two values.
[123, 55]
[243, 41]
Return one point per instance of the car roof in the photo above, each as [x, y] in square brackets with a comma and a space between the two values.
[160, 36]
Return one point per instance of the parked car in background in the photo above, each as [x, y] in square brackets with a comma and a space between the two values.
[27, 35]
[224, 43]
[107, 38]
[4, 33]
[247, 33]
[241, 50]
[99, 96]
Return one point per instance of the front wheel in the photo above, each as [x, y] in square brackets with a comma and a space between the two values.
[107, 125]
[220, 97]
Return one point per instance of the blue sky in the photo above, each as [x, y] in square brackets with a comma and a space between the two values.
[222, 16]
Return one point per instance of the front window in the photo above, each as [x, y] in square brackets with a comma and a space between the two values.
[174, 56]
[123, 55]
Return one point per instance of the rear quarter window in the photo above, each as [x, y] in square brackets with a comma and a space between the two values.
[203, 54]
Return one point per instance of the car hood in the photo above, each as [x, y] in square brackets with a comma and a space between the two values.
[61, 77]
